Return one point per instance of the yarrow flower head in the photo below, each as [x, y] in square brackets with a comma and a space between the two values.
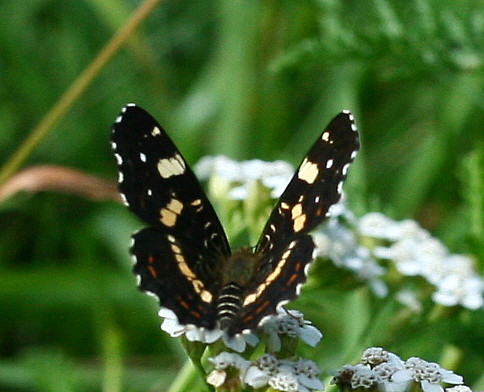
[192, 333]
[240, 177]
[379, 369]
[371, 245]
[292, 324]
[267, 370]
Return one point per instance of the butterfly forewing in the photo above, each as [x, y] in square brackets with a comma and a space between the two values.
[159, 186]
[316, 185]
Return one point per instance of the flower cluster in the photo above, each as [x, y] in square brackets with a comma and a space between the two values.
[241, 176]
[233, 369]
[385, 371]
[267, 370]
[192, 333]
[288, 323]
[363, 245]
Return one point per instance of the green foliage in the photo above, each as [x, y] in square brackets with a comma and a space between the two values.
[249, 79]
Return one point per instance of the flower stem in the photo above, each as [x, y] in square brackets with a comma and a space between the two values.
[76, 89]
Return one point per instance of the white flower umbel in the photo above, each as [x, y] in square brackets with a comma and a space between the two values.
[171, 325]
[369, 246]
[222, 362]
[459, 388]
[289, 323]
[428, 374]
[283, 375]
[385, 371]
[339, 243]
[355, 377]
[242, 175]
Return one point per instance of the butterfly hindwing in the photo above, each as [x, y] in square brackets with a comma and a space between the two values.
[177, 274]
[278, 280]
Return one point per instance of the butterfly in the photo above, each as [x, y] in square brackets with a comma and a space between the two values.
[183, 255]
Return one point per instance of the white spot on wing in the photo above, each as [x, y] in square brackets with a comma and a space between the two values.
[119, 160]
[142, 157]
[345, 169]
[173, 166]
[308, 171]
[329, 163]
[340, 187]
[125, 201]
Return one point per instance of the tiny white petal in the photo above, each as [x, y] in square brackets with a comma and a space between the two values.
[216, 378]
[428, 386]
[256, 377]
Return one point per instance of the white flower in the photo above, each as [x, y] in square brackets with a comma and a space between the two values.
[284, 375]
[459, 388]
[286, 382]
[192, 333]
[374, 356]
[307, 374]
[355, 376]
[376, 225]
[171, 325]
[453, 290]
[290, 323]
[242, 175]
[363, 377]
[223, 361]
[409, 299]
[389, 373]
[256, 377]
[428, 374]
[261, 370]
[388, 366]
[216, 377]
[340, 245]
[219, 165]
[412, 250]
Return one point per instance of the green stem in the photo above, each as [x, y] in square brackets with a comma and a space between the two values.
[76, 89]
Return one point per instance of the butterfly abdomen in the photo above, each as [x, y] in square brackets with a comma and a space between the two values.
[228, 304]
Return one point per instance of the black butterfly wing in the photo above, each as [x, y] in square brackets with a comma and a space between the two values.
[281, 273]
[315, 187]
[163, 266]
[177, 258]
[285, 246]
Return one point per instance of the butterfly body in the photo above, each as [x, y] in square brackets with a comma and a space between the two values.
[184, 257]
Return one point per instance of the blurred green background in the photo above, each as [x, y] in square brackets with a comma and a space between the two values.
[248, 79]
